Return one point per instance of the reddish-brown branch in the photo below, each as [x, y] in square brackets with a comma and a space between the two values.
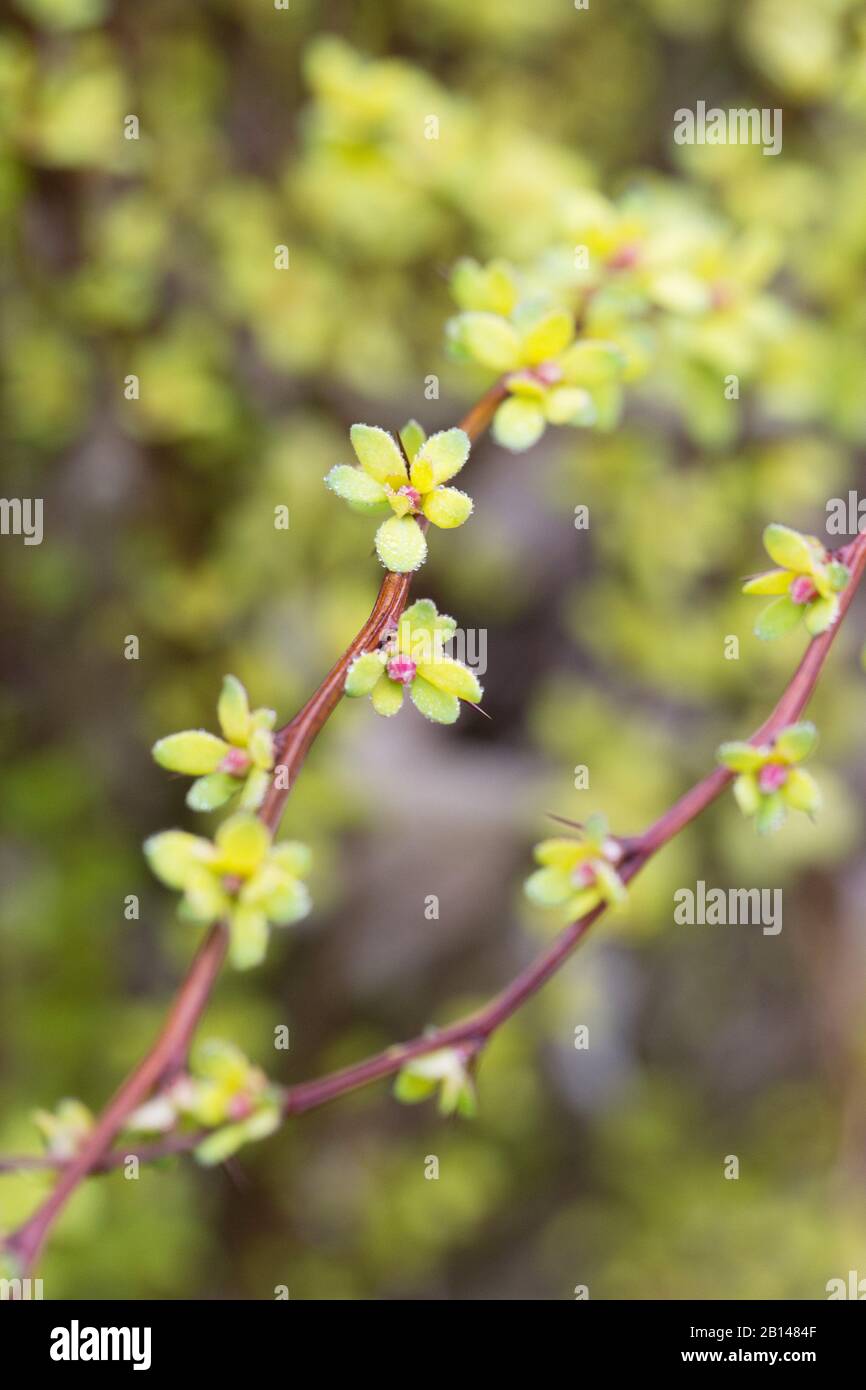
[476, 1028]
[161, 1061]
[294, 739]
[168, 1053]
[787, 711]
[472, 1032]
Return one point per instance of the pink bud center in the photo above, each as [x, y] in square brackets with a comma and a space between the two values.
[235, 762]
[721, 296]
[547, 373]
[583, 876]
[240, 1106]
[772, 776]
[802, 590]
[413, 495]
[232, 883]
[402, 669]
[624, 258]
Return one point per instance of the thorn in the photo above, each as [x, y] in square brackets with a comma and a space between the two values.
[480, 710]
[563, 820]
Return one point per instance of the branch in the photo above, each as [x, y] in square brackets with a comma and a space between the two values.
[168, 1054]
[471, 1033]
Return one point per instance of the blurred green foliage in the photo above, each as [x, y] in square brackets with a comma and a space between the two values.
[154, 257]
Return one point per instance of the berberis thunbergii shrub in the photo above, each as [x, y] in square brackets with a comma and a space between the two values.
[661, 296]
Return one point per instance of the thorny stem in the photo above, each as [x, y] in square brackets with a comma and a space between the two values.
[471, 1033]
[168, 1054]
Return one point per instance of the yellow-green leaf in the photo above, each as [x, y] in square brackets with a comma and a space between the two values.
[194, 752]
[363, 493]
[242, 842]
[777, 618]
[452, 676]
[788, 548]
[248, 940]
[741, 757]
[518, 424]
[746, 794]
[490, 339]
[447, 507]
[233, 711]
[433, 703]
[797, 741]
[802, 792]
[569, 405]
[592, 362]
[210, 792]
[412, 436]
[771, 582]
[821, 614]
[400, 544]
[378, 454]
[549, 886]
[172, 855]
[387, 696]
[363, 673]
[446, 452]
[549, 335]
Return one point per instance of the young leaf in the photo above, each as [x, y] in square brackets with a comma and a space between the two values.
[387, 696]
[233, 711]
[592, 362]
[453, 677]
[363, 673]
[446, 452]
[797, 741]
[434, 704]
[771, 582]
[447, 507]
[254, 789]
[412, 436]
[378, 454]
[208, 793]
[518, 424]
[548, 887]
[491, 340]
[248, 942]
[243, 842]
[741, 757]
[288, 902]
[194, 752]
[174, 853]
[820, 615]
[777, 618]
[569, 405]
[802, 792]
[788, 548]
[551, 332]
[746, 794]
[293, 856]
[401, 545]
[770, 813]
[356, 487]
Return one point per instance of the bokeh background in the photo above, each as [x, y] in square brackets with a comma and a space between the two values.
[305, 127]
